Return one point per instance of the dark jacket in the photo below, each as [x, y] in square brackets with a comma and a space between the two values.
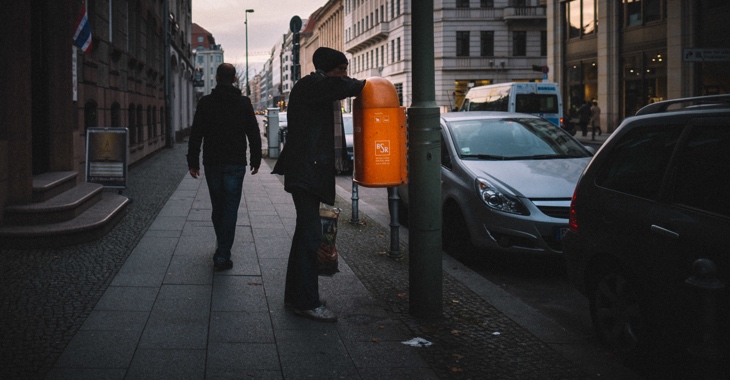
[308, 158]
[223, 120]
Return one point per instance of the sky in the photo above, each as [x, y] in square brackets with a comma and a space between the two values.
[225, 20]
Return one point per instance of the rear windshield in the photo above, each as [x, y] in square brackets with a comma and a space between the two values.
[536, 103]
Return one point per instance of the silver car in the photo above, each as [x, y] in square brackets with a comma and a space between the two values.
[347, 120]
[507, 182]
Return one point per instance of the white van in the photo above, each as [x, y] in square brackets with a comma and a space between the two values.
[536, 98]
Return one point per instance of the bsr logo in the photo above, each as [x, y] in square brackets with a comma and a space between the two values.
[382, 147]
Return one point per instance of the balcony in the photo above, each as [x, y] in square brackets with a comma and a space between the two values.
[524, 14]
[369, 37]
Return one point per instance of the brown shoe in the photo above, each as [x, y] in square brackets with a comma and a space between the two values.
[319, 314]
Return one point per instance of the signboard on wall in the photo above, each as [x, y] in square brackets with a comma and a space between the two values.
[706, 55]
[107, 157]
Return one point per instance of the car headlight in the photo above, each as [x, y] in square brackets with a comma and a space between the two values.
[495, 199]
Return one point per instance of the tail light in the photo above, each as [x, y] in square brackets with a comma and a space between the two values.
[572, 216]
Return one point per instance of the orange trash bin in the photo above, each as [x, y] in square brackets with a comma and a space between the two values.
[380, 136]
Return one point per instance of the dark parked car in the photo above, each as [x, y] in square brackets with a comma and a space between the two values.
[506, 183]
[653, 201]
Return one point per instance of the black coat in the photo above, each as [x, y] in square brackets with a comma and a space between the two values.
[308, 158]
[223, 120]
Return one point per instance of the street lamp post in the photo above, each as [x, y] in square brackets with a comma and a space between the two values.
[248, 88]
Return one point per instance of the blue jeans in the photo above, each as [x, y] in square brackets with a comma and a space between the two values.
[302, 280]
[225, 183]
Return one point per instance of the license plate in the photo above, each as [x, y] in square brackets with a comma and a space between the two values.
[560, 233]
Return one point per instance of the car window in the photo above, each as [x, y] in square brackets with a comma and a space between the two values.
[701, 174]
[536, 103]
[347, 124]
[637, 163]
[445, 158]
[513, 138]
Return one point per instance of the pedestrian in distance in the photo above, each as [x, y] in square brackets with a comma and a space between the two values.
[223, 121]
[595, 119]
[584, 117]
[314, 153]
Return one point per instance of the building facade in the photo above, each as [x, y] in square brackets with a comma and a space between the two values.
[208, 56]
[627, 54]
[58, 92]
[476, 42]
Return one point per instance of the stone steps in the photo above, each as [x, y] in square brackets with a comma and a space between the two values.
[62, 213]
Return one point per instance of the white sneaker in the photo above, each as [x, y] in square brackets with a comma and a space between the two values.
[320, 314]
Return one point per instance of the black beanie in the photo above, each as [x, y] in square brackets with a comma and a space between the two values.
[327, 59]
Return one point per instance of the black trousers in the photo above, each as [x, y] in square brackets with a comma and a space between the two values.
[302, 280]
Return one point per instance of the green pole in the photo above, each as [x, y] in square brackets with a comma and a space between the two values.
[424, 176]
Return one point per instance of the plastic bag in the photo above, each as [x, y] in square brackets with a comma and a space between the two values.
[327, 257]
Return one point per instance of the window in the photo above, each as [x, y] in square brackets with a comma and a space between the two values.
[140, 126]
[392, 51]
[486, 4]
[703, 166]
[91, 115]
[519, 43]
[398, 51]
[638, 162]
[462, 3]
[543, 43]
[116, 115]
[200, 39]
[581, 17]
[131, 115]
[638, 12]
[399, 91]
[486, 43]
[462, 43]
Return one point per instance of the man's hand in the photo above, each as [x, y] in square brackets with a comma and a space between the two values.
[194, 172]
[254, 170]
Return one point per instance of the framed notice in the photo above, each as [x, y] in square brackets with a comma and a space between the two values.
[106, 157]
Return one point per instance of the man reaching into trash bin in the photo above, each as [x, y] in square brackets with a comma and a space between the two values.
[314, 153]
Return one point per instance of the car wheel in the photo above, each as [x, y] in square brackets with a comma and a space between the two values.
[618, 313]
[455, 238]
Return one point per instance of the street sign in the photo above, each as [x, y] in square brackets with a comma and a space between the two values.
[295, 24]
[706, 55]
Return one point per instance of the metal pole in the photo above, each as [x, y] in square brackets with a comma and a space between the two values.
[424, 159]
[355, 215]
[248, 88]
[394, 225]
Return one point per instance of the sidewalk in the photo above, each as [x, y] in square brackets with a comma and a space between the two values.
[167, 315]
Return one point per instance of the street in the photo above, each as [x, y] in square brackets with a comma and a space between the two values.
[539, 282]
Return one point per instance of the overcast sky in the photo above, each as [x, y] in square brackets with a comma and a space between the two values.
[266, 25]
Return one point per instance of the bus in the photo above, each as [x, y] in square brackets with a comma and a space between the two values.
[536, 98]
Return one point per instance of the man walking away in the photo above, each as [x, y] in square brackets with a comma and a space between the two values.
[222, 123]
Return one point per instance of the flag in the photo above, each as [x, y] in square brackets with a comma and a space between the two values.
[82, 36]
